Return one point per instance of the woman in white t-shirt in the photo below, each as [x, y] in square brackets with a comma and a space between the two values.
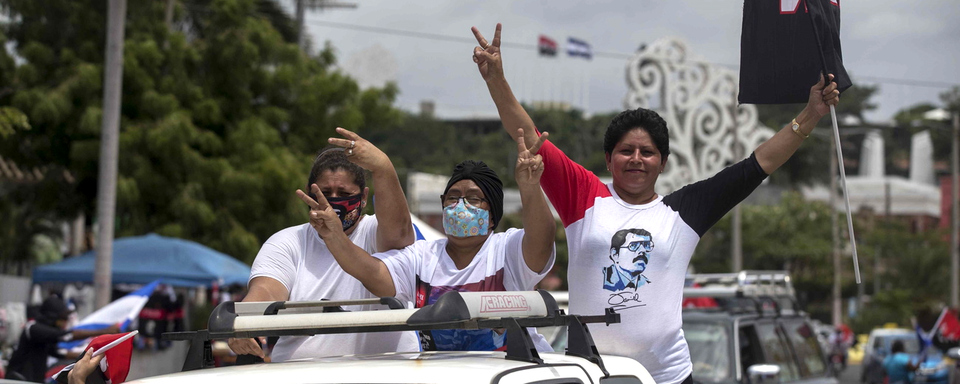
[630, 247]
[295, 264]
[472, 258]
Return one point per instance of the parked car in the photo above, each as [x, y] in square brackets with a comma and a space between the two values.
[520, 363]
[724, 345]
[744, 325]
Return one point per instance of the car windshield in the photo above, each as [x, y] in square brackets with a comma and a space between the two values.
[910, 343]
[709, 345]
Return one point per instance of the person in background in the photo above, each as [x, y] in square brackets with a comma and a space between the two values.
[899, 364]
[175, 313]
[39, 340]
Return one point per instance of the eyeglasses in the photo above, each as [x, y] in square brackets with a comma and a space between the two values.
[452, 200]
[635, 245]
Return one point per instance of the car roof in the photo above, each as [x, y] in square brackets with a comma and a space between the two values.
[892, 332]
[409, 367]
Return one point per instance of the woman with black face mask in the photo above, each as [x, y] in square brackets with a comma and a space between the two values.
[471, 259]
[295, 264]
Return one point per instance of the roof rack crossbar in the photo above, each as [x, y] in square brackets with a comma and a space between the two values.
[775, 284]
[252, 308]
[454, 310]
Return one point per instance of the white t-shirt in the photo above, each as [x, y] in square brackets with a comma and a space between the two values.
[423, 271]
[634, 258]
[300, 260]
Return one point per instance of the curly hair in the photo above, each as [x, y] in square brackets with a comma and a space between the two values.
[629, 120]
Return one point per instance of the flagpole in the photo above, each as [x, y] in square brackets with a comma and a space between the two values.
[836, 137]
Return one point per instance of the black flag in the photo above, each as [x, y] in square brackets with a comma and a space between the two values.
[779, 50]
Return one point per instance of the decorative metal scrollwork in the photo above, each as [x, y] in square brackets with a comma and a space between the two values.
[698, 100]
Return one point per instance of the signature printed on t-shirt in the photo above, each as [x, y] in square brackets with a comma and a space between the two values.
[625, 300]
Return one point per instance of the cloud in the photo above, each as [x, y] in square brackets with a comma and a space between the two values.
[881, 39]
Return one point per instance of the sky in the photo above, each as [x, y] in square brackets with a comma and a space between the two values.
[911, 49]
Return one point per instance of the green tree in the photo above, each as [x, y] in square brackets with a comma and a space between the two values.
[221, 116]
[951, 99]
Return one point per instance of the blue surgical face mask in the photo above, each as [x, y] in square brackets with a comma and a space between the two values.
[465, 220]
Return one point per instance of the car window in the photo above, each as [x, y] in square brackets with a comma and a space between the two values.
[751, 352]
[776, 351]
[910, 343]
[709, 345]
[806, 347]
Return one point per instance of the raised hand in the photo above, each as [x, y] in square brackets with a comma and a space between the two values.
[487, 55]
[322, 217]
[83, 368]
[822, 96]
[529, 163]
[360, 151]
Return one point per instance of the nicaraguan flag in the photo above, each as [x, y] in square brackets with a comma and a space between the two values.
[577, 47]
[122, 311]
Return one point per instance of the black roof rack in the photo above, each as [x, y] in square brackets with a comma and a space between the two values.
[454, 310]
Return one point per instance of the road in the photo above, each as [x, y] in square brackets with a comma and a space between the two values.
[851, 375]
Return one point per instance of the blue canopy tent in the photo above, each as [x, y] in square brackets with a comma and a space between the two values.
[143, 259]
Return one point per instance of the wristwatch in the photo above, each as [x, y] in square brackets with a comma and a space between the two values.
[795, 126]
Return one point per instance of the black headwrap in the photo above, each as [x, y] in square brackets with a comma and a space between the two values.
[488, 182]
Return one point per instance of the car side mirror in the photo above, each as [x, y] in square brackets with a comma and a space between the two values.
[764, 374]
[954, 353]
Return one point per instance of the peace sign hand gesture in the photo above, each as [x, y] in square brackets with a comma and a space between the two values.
[487, 55]
[322, 217]
[529, 163]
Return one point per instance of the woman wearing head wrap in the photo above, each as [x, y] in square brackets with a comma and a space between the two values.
[472, 258]
[630, 247]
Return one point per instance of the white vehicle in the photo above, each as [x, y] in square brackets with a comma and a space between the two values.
[514, 311]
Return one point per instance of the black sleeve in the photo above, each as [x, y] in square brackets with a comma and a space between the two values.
[703, 203]
[42, 333]
[53, 350]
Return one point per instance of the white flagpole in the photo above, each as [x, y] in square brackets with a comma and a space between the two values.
[836, 136]
[846, 195]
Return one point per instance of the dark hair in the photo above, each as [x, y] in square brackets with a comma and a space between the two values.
[629, 120]
[53, 309]
[897, 346]
[334, 159]
[621, 237]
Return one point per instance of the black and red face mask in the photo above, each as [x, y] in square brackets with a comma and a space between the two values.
[345, 207]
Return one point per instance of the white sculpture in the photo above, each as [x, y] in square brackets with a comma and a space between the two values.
[698, 100]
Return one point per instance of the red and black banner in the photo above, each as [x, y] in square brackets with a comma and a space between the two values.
[547, 46]
[780, 49]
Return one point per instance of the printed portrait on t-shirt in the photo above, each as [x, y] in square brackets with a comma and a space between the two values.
[630, 253]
